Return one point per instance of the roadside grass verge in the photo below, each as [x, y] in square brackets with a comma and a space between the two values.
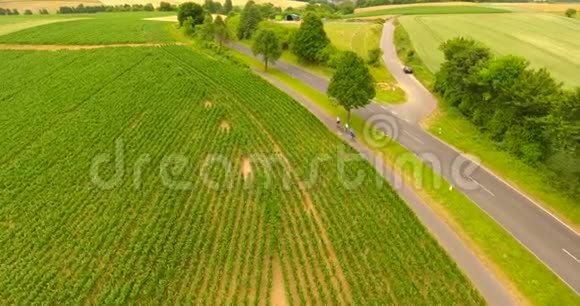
[427, 10]
[452, 127]
[529, 280]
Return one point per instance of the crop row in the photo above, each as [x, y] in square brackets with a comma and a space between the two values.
[65, 239]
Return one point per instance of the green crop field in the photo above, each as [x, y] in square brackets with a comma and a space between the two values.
[107, 28]
[153, 175]
[545, 40]
[428, 10]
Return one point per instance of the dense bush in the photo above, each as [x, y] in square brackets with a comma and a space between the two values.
[375, 57]
[190, 10]
[526, 111]
[166, 7]
[310, 40]
[7, 11]
[43, 12]
[249, 20]
[570, 12]
[284, 33]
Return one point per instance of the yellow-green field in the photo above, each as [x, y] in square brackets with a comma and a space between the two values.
[546, 40]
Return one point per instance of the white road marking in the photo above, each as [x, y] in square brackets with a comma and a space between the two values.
[394, 113]
[516, 190]
[574, 257]
[414, 137]
[384, 107]
[484, 188]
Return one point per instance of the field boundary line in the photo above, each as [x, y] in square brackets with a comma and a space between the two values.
[31, 47]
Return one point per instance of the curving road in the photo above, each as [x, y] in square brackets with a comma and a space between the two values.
[544, 235]
[549, 239]
[483, 279]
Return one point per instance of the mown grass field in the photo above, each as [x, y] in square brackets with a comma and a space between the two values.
[428, 10]
[545, 40]
[359, 37]
[171, 122]
[93, 29]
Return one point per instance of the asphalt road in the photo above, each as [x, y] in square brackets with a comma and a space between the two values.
[484, 280]
[550, 240]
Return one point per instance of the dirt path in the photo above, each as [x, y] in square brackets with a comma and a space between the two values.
[75, 47]
[278, 294]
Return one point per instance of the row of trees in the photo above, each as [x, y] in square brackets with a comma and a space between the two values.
[309, 42]
[196, 21]
[524, 110]
[352, 85]
[4, 12]
[89, 9]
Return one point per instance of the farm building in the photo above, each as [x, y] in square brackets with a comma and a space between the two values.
[288, 17]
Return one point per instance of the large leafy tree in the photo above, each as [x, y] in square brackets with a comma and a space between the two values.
[267, 44]
[228, 7]
[310, 40]
[193, 10]
[249, 20]
[221, 31]
[213, 7]
[455, 81]
[352, 85]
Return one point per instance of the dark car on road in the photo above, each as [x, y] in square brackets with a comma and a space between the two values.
[407, 70]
